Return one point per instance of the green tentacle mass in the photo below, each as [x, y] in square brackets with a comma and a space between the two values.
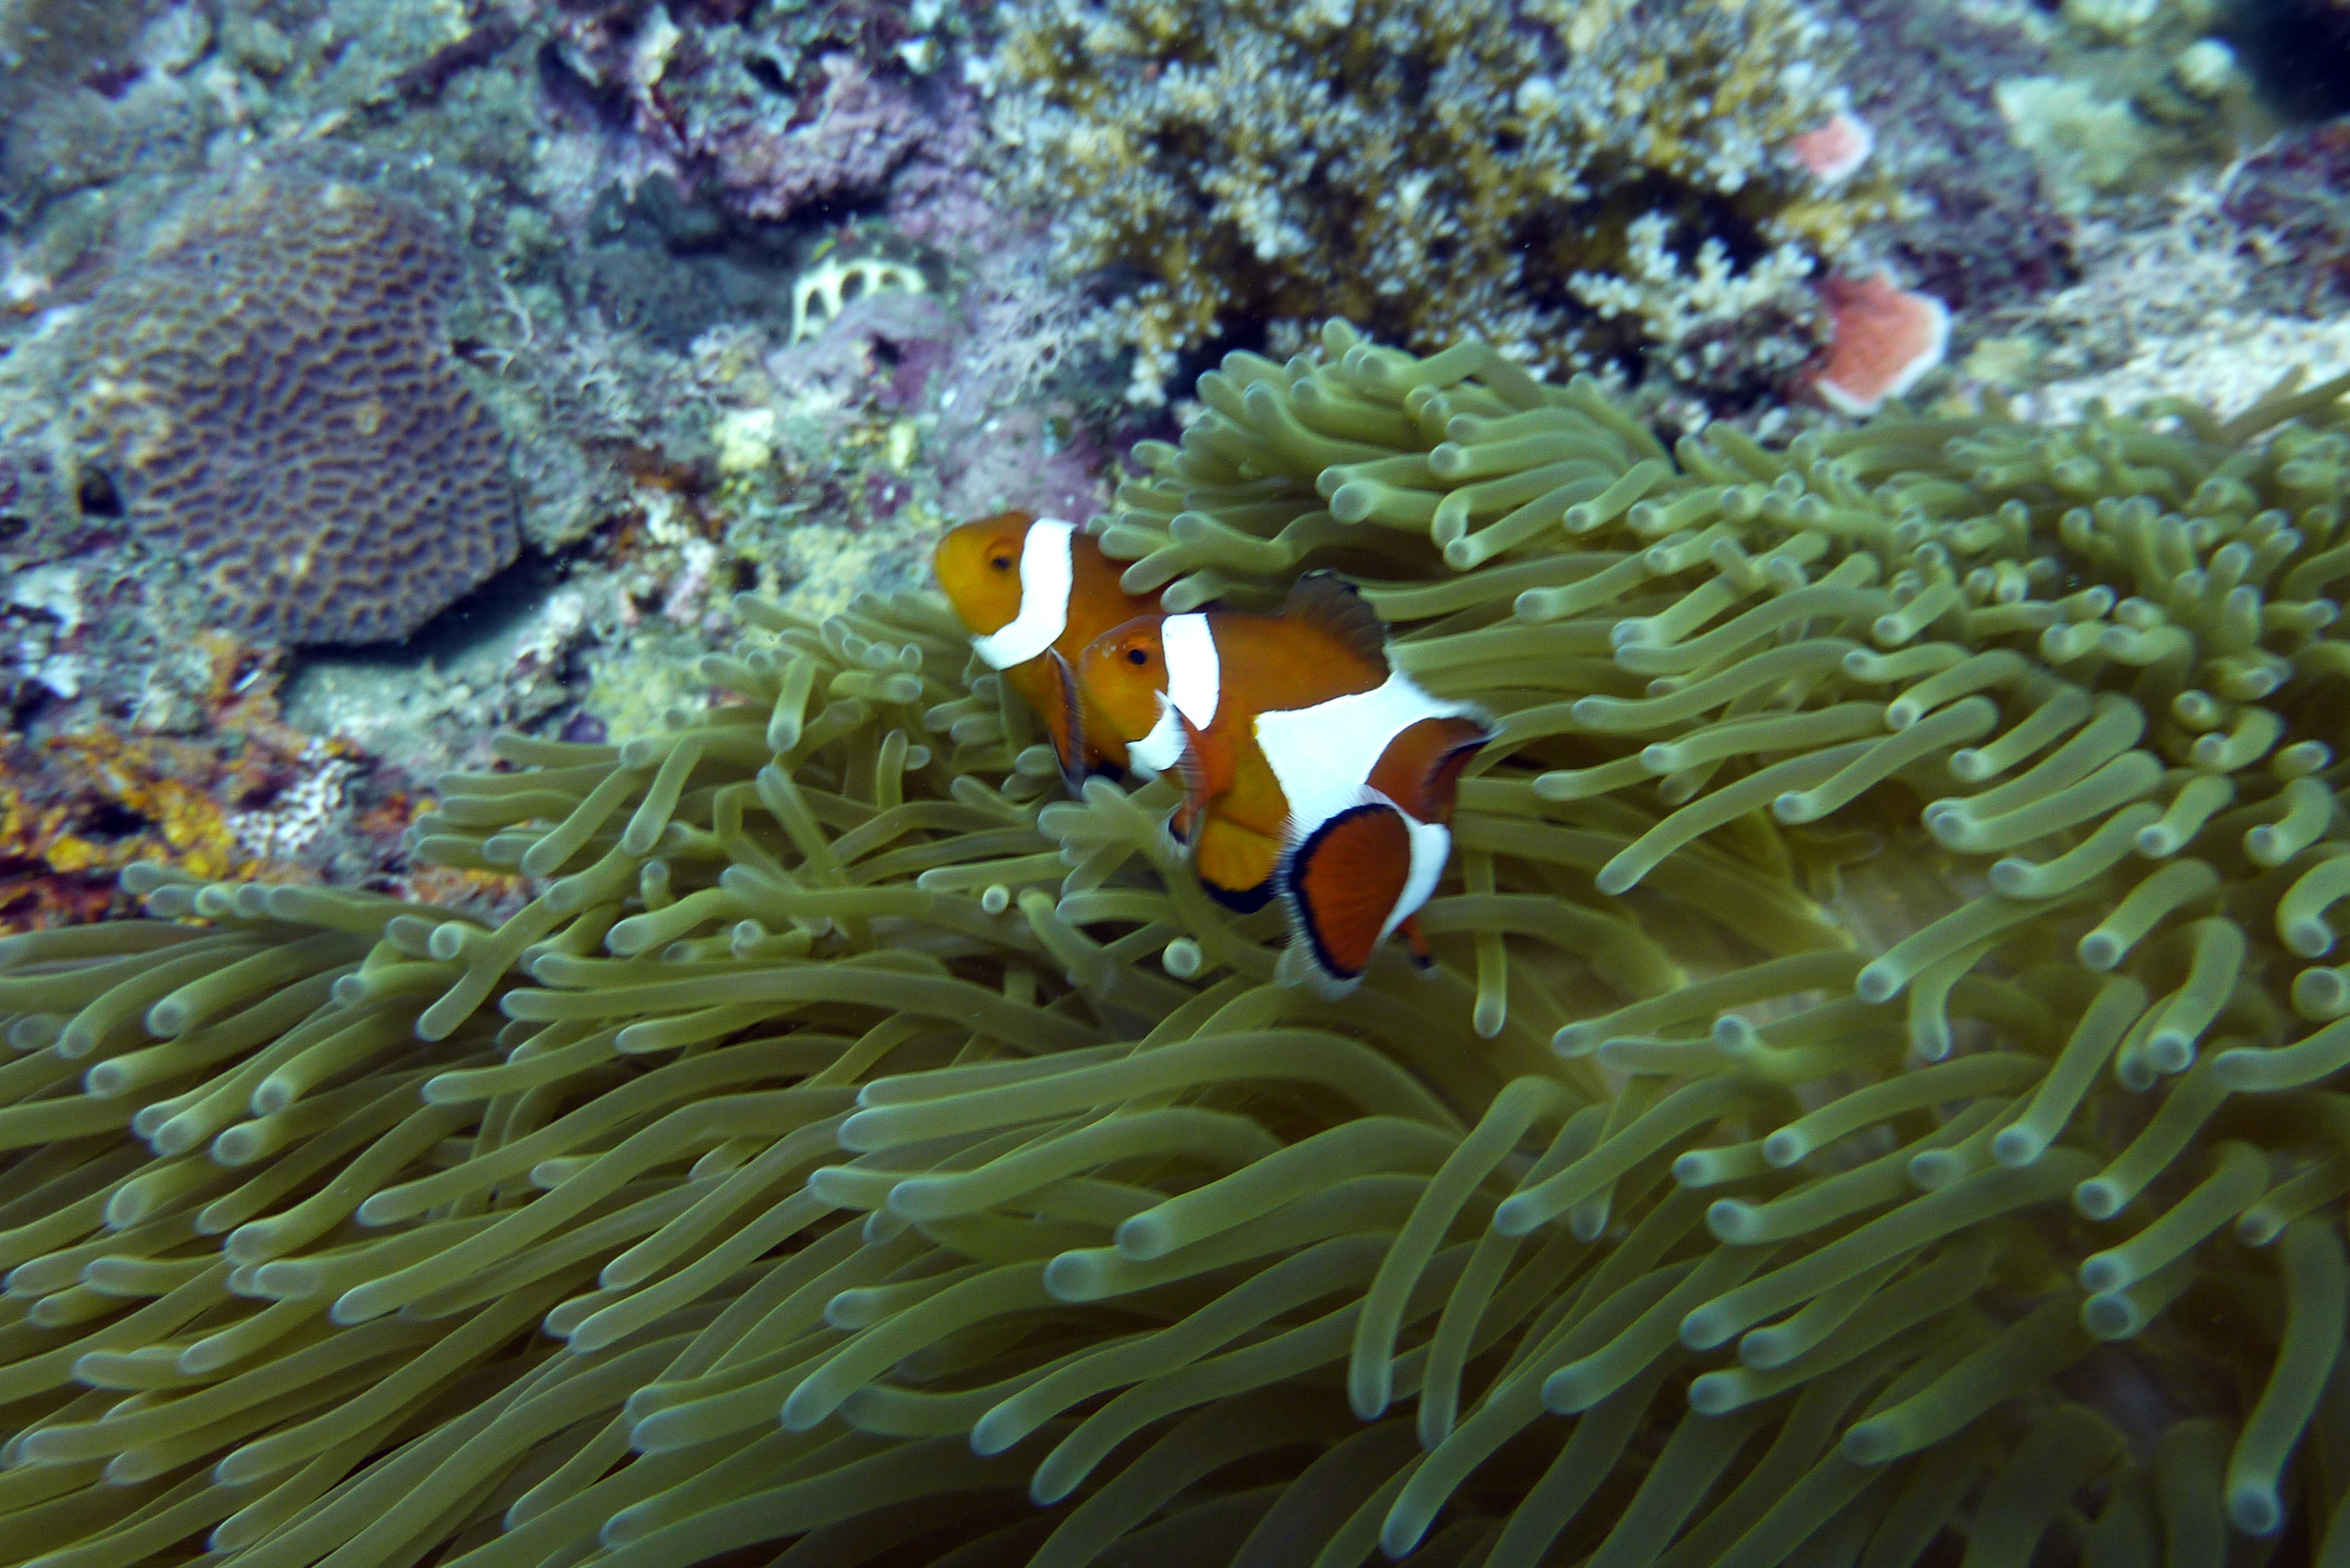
[1877, 1102]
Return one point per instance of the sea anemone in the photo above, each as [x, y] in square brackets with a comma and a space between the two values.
[1871, 1094]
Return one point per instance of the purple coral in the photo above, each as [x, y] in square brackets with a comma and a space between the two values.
[2294, 193]
[858, 131]
[767, 124]
[1981, 235]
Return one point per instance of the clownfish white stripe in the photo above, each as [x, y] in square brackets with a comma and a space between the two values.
[1162, 748]
[1323, 755]
[1046, 573]
[1195, 672]
[1431, 846]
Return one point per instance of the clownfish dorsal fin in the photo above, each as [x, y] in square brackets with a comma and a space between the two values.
[1332, 605]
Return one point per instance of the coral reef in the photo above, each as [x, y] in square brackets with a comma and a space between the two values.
[1979, 232]
[774, 111]
[91, 98]
[240, 793]
[2139, 91]
[1874, 1090]
[2200, 305]
[308, 453]
[628, 319]
[2292, 200]
[1426, 167]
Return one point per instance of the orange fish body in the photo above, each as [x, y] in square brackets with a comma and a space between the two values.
[1035, 592]
[1313, 769]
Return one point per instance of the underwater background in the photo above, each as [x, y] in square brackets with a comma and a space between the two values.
[555, 1013]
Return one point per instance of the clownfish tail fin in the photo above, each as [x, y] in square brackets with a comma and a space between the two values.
[1342, 880]
[1333, 605]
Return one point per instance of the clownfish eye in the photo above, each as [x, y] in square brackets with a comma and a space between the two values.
[1001, 563]
[1136, 655]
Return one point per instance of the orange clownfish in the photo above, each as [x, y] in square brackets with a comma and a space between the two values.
[1313, 769]
[1034, 591]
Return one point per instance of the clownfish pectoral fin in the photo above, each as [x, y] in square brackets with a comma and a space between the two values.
[1332, 605]
[1234, 865]
[1344, 882]
[1065, 721]
[1185, 820]
[1198, 790]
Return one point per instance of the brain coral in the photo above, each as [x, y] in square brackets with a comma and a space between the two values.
[285, 417]
[1546, 173]
[1880, 1099]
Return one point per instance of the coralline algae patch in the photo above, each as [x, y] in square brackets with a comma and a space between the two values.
[1883, 341]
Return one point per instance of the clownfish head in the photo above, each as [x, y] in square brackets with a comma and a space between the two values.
[979, 566]
[1123, 674]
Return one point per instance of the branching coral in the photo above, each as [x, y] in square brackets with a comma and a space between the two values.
[1875, 1086]
[1429, 167]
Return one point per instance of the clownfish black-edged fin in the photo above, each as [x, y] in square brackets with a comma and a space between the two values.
[1460, 741]
[1185, 820]
[1066, 725]
[1343, 881]
[1236, 866]
[1421, 770]
[1332, 605]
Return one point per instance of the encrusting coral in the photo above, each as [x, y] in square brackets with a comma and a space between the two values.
[1874, 1086]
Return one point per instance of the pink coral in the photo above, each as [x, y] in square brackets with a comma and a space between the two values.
[1885, 341]
[1835, 149]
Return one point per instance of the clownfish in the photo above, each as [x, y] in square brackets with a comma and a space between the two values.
[1314, 770]
[1034, 591]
